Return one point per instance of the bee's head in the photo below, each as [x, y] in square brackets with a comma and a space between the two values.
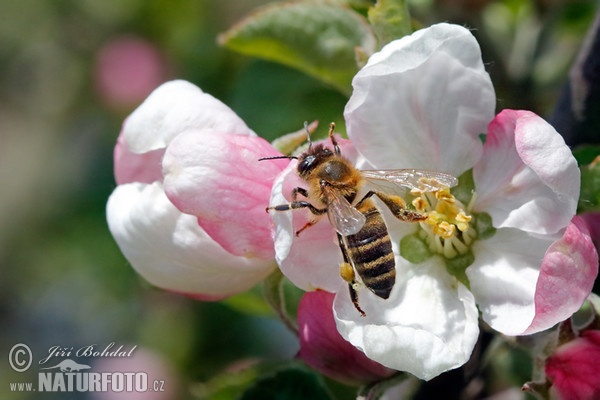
[314, 156]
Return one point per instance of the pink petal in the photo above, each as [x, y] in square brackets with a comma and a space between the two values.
[527, 177]
[324, 349]
[172, 108]
[171, 251]
[422, 101]
[567, 276]
[217, 177]
[573, 369]
[136, 167]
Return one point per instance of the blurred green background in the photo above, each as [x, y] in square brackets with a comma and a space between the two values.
[69, 72]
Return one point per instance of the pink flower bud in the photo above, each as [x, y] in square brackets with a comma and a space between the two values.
[324, 349]
[573, 370]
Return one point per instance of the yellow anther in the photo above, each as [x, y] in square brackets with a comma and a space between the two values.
[446, 216]
[444, 195]
[445, 230]
[420, 204]
[462, 221]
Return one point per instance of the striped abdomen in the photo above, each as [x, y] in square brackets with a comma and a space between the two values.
[370, 252]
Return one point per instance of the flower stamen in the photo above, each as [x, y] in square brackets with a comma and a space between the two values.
[447, 229]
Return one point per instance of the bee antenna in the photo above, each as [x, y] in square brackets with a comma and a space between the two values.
[307, 135]
[334, 142]
[278, 157]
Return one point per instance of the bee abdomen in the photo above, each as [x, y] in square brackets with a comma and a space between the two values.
[370, 252]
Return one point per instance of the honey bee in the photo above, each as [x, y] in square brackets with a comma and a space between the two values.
[333, 186]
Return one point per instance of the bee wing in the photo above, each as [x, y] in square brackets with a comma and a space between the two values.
[344, 217]
[419, 179]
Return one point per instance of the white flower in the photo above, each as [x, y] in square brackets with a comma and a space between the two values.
[507, 250]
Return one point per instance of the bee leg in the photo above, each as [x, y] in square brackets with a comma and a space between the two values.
[299, 190]
[397, 206]
[354, 298]
[306, 226]
[347, 274]
[299, 204]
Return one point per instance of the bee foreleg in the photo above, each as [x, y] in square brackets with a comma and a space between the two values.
[300, 204]
[299, 190]
[397, 206]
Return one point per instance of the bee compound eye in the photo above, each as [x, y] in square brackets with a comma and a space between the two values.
[306, 163]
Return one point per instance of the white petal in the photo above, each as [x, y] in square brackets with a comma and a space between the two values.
[170, 250]
[422, 102]
[427, 326]
[504, 275]
[172, 108]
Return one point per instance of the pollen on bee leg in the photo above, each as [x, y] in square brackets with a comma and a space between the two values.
[347, 273]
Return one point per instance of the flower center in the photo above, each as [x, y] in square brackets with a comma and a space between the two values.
[447, 230]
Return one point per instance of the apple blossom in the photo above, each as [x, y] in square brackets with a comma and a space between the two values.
[503, 243]
[182, 144]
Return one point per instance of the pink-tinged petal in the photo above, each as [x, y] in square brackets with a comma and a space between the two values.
[422, 102]
[217, 177]
[171, 251]
[136, 167]
[324, 349]
[503, 278]
[427, 326]
[172, 108]
[573, 369]
[527, 177]
[566, 277]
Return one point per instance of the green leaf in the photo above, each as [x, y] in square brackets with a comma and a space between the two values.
[586, 154]
[318, 38]
[589, 199]
[390, 20]
[288, 384]
[278, 295]
[250, 302]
